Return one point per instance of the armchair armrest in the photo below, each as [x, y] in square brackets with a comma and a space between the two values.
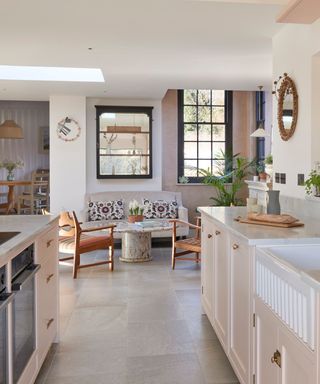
[110, 226]
[176, 221]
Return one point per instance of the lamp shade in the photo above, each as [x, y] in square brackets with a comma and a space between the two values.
[260, 132]
[9, 129]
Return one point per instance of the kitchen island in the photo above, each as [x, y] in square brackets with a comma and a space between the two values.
[258, 300]
[29, 298]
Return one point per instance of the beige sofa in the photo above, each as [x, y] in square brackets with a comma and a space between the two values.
[127, 196]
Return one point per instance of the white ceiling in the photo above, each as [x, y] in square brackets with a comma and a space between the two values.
[143, 47]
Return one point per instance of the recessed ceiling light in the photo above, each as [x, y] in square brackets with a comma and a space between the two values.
[9, 72]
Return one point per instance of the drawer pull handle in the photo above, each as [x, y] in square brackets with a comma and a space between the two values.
[209, 236]
[50, 277]
[49, 243]
[276, 358]
[218, 233]
[49, 323]
[235, 246]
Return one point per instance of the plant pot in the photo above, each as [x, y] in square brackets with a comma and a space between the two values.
[269, 170]
[263, 176]
[135, 218]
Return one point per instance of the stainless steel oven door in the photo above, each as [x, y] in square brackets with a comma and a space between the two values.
[24, 339]
[5, 298]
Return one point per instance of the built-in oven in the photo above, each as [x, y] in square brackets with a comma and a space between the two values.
[23, 309]
[5, 299]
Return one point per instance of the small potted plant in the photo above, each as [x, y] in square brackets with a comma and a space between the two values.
[135, 212]
[10, 166]
[312, 184]
[261, 171]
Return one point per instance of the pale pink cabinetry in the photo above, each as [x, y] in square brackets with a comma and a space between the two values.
[227, 293]
[47, 300]
[207, 250]
[240, 293]
[281, 357]
[47, 292]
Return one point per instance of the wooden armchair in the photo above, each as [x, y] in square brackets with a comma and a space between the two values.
[188, 245]
[73, 239]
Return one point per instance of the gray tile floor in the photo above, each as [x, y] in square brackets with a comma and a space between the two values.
[141, 324]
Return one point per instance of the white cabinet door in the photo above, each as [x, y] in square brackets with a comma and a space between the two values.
[240, 308]
[47, 291]
[221, 286]
[207, 248]
[266, 333]
[297, 361]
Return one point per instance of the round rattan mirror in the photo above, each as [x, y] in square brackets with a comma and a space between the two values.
[287, 108]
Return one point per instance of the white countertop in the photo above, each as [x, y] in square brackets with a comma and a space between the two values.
[295, 249]
[29, 226]
[265, 235]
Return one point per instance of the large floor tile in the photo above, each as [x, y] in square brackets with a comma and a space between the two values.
[85, 363]
[215, 365]
[166, 369]
[141, 324]
[155, 308]
[158, 338]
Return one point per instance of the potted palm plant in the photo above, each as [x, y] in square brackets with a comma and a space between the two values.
[229, 179]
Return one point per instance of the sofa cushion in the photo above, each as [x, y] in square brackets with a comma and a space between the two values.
[105, 210]
[160, 209]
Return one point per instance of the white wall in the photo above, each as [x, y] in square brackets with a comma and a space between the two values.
[95, 185]
[293, 50]
[67, 159]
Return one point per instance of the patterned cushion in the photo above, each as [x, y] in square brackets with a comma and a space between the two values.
[106, 210]
[160, 209]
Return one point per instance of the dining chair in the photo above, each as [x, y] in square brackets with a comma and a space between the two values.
[73, 239]
[36, 197]
[187, 245]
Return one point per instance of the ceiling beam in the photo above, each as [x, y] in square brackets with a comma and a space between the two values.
[300, 12]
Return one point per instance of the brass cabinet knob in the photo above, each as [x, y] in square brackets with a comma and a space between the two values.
[49, 323]
[209, 236]
[276, 358]
[235, 246]
[49, 243]
[50, 277]
[218, 233]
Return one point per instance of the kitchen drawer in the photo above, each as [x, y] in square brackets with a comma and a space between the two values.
[47, 315]
[47, 306]
[47, 245]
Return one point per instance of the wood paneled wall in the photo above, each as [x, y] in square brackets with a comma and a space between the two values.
[30, 115]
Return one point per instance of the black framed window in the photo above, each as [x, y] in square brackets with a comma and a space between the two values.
[124, 142]
[204, 130]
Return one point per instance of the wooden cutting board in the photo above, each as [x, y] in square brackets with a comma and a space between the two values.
[281, 225]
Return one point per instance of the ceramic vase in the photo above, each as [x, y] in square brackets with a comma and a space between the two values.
[273, 203]
[10, 176]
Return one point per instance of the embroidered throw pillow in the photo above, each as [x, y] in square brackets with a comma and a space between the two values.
[106, 210]
[160, 209]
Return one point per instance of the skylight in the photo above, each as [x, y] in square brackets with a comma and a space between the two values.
[9, 72]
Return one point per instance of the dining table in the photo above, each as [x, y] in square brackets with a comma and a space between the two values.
[11, 184]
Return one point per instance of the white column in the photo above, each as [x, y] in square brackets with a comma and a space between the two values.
[67, 159]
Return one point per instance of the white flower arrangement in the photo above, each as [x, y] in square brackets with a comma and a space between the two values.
[135, 208]
[10, 165]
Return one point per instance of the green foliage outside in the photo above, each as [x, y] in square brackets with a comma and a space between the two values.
[229, 178]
